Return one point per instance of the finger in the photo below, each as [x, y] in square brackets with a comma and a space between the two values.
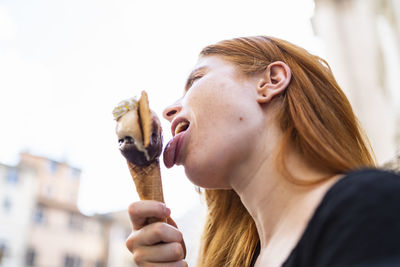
[170, 221]
[140, 211]
[159, 232]
[153, 234]
[162, 253]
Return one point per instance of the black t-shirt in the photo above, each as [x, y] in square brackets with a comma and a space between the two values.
[357, 223]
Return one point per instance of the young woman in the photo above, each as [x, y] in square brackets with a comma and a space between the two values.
[266, 130]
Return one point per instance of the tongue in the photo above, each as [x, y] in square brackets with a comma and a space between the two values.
[169, 152]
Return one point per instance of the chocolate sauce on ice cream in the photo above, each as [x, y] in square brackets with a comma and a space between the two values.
[137, 154]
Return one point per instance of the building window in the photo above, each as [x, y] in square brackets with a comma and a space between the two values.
[72, 261]
[75, 173]
[6, 205]
[12, 176]
[38, 217]
[53, 166]
[30, 257]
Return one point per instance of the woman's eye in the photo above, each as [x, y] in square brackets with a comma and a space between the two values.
[192, 80]
[195, 78]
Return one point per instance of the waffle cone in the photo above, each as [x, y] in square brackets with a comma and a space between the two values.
[148, 183]
[147, 180]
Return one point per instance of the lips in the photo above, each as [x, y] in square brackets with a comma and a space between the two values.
[173, 148]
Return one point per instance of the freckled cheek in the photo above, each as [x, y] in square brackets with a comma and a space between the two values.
[215, 108]
[203, 106]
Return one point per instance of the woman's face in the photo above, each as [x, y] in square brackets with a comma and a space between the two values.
[221, 123]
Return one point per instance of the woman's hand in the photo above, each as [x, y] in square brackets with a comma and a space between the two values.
[156, 244]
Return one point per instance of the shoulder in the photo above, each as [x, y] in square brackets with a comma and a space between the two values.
[363, 188]
[367, 177]
[356, 224]
[365, 195]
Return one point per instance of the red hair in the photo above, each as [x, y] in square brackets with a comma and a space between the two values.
[316, 119]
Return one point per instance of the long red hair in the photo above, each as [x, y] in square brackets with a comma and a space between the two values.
[315, 117]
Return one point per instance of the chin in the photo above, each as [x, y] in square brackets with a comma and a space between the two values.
[206, 177]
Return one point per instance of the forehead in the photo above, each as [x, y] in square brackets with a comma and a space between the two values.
[213, 62]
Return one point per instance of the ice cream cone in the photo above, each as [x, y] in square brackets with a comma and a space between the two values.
[147, 180]
[148, 183]
[140, 138]
[140, 142]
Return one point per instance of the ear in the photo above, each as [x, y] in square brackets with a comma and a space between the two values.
[273, 82]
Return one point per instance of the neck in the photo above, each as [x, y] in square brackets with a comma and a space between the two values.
[279, 207]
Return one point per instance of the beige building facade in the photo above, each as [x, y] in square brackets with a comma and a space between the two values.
[41, 226]
[362, 41]
[59, 234]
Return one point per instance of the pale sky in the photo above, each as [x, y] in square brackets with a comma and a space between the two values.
[65, 64]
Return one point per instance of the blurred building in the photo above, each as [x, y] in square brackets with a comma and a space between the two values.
[40, 224]
[60, 235]
[362, 40]
[17, 194]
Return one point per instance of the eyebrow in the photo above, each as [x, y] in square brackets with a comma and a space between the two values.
[192, 76]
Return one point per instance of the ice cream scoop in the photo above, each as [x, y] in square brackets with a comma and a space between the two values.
[138, 130]
[140, 142]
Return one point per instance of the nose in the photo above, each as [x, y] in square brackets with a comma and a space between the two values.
[171, 111]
